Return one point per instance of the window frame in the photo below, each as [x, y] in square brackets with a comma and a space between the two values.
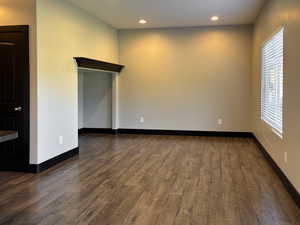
[262, 78]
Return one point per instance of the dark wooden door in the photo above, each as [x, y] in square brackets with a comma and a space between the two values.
[14, 96]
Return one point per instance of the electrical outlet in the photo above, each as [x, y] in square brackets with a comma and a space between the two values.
[142, 120]
[220, 121]
[285, 157]
[61, 140]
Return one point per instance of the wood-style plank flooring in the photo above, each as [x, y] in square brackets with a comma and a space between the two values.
[151, 180]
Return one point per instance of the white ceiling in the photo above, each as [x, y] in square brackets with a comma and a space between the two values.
[124, 14]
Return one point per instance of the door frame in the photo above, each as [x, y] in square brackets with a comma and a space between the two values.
[24, 29]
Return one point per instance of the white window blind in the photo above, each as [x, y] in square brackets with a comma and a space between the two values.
[272, 82]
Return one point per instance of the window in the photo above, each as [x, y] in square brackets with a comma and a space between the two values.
[272, 82]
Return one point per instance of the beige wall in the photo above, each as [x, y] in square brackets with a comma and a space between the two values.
[275, 14]
[186, 79]
[63, 32]
[95, 99]
[20, 12]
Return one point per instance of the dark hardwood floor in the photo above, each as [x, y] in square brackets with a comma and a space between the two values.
[145, 180]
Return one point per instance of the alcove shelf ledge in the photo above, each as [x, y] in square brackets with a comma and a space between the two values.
[94, 64]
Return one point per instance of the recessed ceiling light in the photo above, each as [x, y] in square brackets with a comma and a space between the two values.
[142, 21]
[214, 18]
